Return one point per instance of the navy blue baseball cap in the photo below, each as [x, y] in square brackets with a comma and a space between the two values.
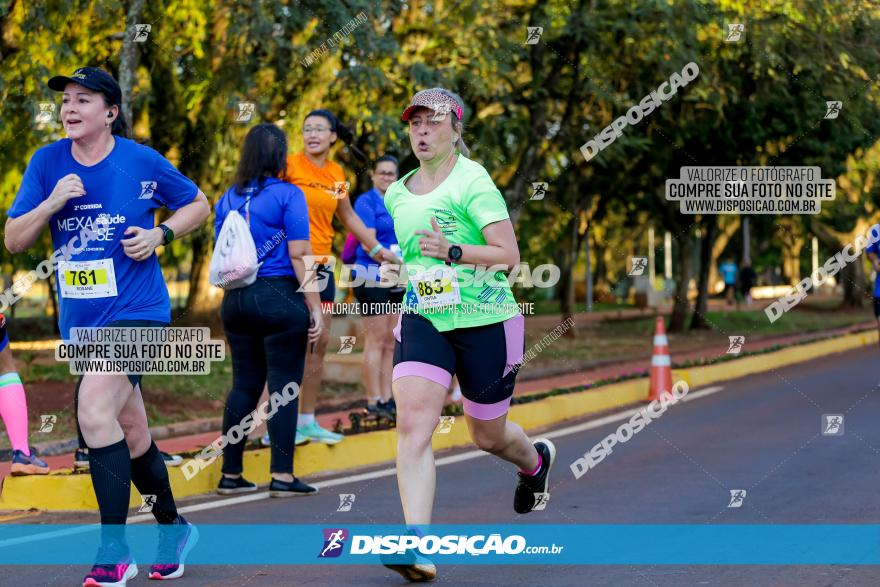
[92, 78]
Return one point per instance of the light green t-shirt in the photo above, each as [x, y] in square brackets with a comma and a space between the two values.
[464, 203]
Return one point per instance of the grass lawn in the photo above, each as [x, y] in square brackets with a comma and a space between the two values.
[632, 337]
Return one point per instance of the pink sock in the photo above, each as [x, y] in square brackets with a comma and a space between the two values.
[535, 472]
[13, 410]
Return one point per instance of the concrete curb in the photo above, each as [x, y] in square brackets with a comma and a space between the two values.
[63, 490]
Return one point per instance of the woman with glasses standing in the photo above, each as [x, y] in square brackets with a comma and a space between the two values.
[323, 183]
[378, 304]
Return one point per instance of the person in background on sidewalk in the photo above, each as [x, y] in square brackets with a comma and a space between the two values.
[270, 323]
[326, 192]
[728, 273]
[873, 253]
[747, 277]
[13, 411]
[98, 172]
[377, 302]
[448, 212]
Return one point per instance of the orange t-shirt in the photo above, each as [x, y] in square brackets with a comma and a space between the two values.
[319, 184]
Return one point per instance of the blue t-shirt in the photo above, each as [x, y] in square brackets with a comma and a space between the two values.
[100, 284]
[728, 271]
[278, 214]
[875, 248]
[370, 208]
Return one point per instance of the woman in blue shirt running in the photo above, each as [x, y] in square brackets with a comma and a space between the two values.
[98, 192]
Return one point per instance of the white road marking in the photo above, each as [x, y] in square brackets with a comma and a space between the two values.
[465, 456]
[625, 415]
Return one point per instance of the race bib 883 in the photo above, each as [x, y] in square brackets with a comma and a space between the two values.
[436, 287]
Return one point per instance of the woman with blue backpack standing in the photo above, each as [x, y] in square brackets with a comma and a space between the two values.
[269, 323]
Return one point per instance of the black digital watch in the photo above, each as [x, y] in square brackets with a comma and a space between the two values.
[168, 234]
[454, 253]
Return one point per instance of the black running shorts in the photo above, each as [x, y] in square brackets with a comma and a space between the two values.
[485, 358]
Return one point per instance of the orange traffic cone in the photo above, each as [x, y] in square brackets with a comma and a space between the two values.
[661, 364]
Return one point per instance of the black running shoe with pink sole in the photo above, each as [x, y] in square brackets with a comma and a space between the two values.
[524, 499]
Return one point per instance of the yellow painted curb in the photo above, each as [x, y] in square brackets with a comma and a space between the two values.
[701, 376]
[33, 345]
[62, 491]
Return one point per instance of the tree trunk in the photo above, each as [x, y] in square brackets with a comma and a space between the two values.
[600, 270]
[699, 319]
[724, 234]
[567, 293]
[853, 275]
[129, 60]
[532, 159]
[683, 276]
[7, 49]
[588, 262]
[791, 261]
[517, 192]
[198, 299]
[853, 278]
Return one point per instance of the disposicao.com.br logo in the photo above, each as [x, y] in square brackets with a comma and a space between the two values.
[334, 542]
[430, 544]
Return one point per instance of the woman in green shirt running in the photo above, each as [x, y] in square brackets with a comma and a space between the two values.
[450, 217]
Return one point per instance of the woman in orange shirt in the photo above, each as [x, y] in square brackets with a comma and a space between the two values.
[326, 190]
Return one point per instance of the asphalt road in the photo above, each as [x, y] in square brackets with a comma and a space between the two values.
[760, 433]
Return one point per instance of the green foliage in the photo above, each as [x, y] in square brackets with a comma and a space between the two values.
[530, 107]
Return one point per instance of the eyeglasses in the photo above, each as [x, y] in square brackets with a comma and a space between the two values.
[307, 130]
[387, 173]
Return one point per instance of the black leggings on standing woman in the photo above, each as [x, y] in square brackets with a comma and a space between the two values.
[267, 325]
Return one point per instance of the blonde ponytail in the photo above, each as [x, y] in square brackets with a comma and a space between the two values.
[459, 144]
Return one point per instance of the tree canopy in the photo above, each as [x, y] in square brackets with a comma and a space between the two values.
[530, 106]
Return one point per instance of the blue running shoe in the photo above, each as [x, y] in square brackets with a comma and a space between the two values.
[175, 542]
[108, 573]
[111, 575]
[23, 464]
[412, 565]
